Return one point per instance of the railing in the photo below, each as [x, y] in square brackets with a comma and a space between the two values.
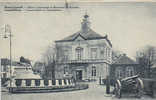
[41, 83]
[85, 61]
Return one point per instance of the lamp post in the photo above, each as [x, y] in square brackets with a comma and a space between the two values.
[108, 80]
[8, 30]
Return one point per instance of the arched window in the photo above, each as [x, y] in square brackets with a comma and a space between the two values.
[118, 72]
[79, 53]
[129, 71]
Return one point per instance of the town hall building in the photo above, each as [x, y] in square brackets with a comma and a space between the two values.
[84, 55]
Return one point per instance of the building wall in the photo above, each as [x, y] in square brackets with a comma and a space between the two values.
[113, 70]
[66, 52]
[101, 71]
[69, 49]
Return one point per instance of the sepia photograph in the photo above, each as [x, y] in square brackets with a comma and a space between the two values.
[78, 50]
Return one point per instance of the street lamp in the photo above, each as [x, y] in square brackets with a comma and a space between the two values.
[8, 30]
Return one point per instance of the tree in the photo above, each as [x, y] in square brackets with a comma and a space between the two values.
[49, 55]
[116, 54]
[49, 59]
[146, 57]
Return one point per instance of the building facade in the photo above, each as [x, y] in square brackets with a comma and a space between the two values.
[84, 55]
[123, 67]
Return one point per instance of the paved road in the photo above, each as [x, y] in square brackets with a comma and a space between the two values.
[95, 92]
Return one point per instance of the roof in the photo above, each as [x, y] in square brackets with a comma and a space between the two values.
[86, 33]
[89, 35]
[124, 59]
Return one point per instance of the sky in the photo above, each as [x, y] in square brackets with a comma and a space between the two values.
[129, 27]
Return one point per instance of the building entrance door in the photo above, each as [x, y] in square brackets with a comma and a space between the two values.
[78, 75]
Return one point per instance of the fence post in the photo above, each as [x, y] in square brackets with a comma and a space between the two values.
[42, 83]
[67, 82]
[32, 83]
[71, 83]
[50, 82]
[57, 82]
[63, 83]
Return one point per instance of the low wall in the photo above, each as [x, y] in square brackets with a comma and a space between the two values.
[43, 86]
[40, 83]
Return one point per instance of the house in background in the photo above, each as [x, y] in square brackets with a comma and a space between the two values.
[85, 55]
[16, 67]
[5, 74]
[123, 67]
[39, 67]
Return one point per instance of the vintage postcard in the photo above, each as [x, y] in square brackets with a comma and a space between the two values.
[78, 49]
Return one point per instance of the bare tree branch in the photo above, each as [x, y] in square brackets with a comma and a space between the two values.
[49, 55]
[146, 57]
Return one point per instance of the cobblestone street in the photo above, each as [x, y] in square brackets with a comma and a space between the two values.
[95, 92]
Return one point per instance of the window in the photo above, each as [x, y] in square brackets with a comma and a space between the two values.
[79, 53]
[5, 68]
[93, 53]
[102, 54]
[4, 75]
[118, 72]
[65, 54]
[65, 70]
[93, 71]
[129, 71]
